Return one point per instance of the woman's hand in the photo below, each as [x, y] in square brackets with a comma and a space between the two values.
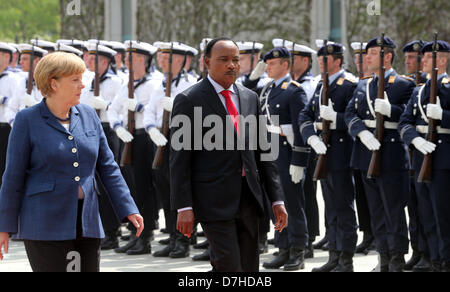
[4, 242]
[138, 222]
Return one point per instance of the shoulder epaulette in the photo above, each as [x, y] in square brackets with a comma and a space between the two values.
[445, 80]
[296, 83]
[350, 77]
[407, 78]
[364, 78]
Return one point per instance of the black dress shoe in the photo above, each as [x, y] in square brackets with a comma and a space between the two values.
[345, 264]
[414, 260]
[205, 256]
[445, 267]
[279, 261]
[326, 246]
[201, 245]
[424, 265]
[263, 246]
[164, 241]
[131, 243]
[296, 259]
[141, 247]
[333, 261]
[321, 243]
[397, 263]
[109, 242]
[169, 248]
[309, 252]
[181, 249]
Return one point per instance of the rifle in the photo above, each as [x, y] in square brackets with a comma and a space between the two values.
[419, 60]
[292, 61]
[97, 78]
[322, 164]
[205, 70]
[127, 155]
[375, 163]
[425, 174]
[158, 161]
[361, 61]
[31, 71]
[252, 62]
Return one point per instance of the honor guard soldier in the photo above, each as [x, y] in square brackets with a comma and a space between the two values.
[201, 66]
[153, 120]
[387, 193]
[432, 198]
[68, 49]
[337, 186]
[368, 242]
[14, 62]
[142, 148]
[81, 46]
[252, 69]
[191, 53]
[119, 59]
[8, 87]
[109, 84]
[413, 64]
[285, 100]
[301, 72]
[29, 54]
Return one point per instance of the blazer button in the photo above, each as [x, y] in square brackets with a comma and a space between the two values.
[75, 164]
[74, 150]
[77, 179]
[70, 138]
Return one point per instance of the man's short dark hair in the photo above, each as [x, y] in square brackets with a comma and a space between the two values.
[211, 44]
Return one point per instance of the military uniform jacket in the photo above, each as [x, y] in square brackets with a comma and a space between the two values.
[340, 143]
[414, 120]
[286, 101]
[255, 85]
[359, 116]
[309, 84]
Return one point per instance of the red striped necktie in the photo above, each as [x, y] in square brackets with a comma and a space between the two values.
[232, 111]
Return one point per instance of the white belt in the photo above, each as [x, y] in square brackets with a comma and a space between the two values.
[424, 130]
[319, 126]
[387, 125]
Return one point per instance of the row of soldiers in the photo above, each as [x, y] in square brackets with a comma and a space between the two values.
[288, 90]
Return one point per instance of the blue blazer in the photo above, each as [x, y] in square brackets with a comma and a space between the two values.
[45, 166]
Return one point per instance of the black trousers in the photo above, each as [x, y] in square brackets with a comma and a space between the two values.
[311, 206]
[234, 243]
[79, 255]
[362, 206]
[5, 129]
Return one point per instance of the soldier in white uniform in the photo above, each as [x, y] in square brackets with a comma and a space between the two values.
[8, 85]
[253, 75]
[119, 59]
[153, 119]
[142, 148]
[22, 99]
[50, 47]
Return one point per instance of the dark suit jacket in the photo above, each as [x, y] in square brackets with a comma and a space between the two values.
[210, 180]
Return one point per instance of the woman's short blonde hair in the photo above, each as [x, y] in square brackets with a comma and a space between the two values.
[56, 65]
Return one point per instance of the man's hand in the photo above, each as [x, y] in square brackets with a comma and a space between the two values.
[296, 173]
[185, 222]
[435, 111]
[167, 103]
[328, 113]
[4, 242]
[382, 106]
[137, 222]
[369, 140]
[281, 217]
[124, 135]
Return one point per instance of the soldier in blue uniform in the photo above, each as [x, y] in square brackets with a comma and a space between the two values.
[432, 198]
[285, 100]
[338, 189]
[386, 195]
[413, 56]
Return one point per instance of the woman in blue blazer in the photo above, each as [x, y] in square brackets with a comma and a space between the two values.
[49, 196]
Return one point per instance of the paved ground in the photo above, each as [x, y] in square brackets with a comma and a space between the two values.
[16, 260]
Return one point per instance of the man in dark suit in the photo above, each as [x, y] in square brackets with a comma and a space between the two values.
[222, 189]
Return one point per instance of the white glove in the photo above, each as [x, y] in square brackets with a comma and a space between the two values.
[435, 111]
[383, 107]
[167, 103]
[124, 135]
[98, 103]
[29, 101]
[258, 71]
[328, 113]
[423, 145]
[131, 104]
[157, 137]
[369, 140]
[319, 147]
[296, 173]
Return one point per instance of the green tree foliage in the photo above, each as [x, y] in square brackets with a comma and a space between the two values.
[22, 20]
